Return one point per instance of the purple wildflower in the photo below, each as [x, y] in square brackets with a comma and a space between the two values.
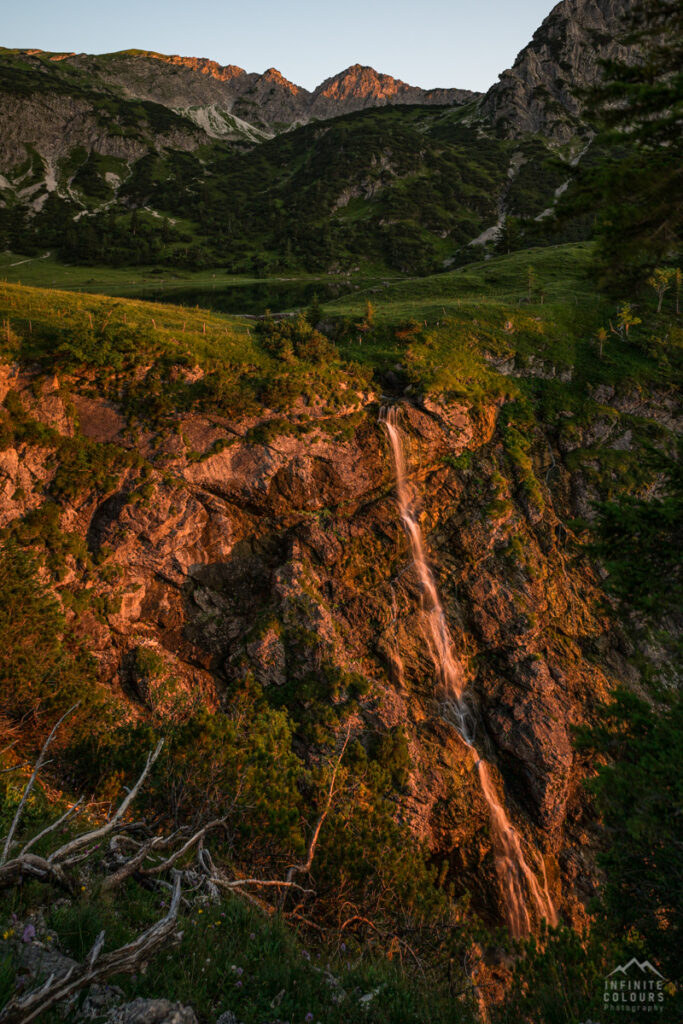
[29, 933]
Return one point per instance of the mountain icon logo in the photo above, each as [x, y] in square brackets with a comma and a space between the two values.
[645, 968]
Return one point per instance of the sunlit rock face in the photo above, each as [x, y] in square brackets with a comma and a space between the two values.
[286, 561]
[360, 87]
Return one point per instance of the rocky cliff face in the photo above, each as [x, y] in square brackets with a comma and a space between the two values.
[41, 132]
[270, 99]
[286, 560]
[216, 98]
[538, 94]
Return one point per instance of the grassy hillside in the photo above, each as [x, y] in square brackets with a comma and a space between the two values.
[540, 304]
[527, 326]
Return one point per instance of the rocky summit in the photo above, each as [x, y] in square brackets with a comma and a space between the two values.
[542, 91]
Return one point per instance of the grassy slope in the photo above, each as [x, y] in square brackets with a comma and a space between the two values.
[457, 317]
[488, 307]
[122, 281]
[562, 272]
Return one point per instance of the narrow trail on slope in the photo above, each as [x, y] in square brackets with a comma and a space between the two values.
[517, 881]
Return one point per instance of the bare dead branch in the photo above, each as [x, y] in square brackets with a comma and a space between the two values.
[24, 1009]
[30, 866]
[192, 841]
[14, 768]
[132, 865]
[259, 904]
[52, 868]
[136, 863]
[29, 786]
[51, 828]
[294, 916]
[98, 833]
[275, 883]
[308, 863]
[217, 879]
[361, 920]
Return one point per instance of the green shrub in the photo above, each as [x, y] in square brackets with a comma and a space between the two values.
[43, 667]
[291, 339]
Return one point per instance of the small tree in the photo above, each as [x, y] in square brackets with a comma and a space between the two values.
[626, 318]
[510, 236]
[314, 313]
[601, 338]
[661, 280]
[364, 325]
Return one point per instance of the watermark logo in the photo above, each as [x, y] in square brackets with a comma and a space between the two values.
[634, 987]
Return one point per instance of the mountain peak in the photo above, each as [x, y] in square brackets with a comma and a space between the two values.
[360, 82]
[275, 76]
[360, 86]
[539, 92]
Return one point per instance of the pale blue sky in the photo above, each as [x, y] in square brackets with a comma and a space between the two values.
[450, 43]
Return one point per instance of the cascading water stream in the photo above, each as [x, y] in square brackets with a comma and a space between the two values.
[515, 877]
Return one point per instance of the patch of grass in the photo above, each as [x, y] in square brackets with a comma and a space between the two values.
[131, 282]
[231, 957]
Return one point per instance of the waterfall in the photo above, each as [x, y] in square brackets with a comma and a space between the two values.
[517, 881]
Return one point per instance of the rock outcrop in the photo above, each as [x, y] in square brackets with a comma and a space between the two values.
[151, 1011]
[286, 561]
[360, 87]
[540, 93]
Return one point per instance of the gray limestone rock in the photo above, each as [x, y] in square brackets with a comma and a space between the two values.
[151, 1011]
[538, 93]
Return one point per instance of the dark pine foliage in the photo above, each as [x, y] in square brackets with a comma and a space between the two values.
[640, 795]
[639, 187]
[639, 542]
